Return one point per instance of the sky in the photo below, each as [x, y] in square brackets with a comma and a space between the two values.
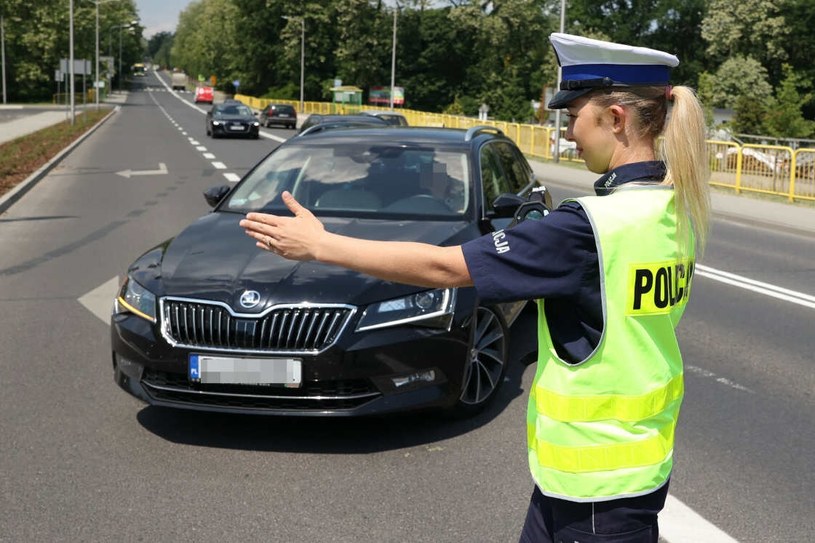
[160, 15]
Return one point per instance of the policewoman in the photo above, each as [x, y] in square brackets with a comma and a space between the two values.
[612, 275]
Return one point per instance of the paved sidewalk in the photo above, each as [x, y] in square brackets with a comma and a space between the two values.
[28, 124]
[791, 217]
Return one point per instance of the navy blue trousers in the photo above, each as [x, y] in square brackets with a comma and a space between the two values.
[627, 520]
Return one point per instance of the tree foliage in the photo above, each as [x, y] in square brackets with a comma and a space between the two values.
[37, 37]
[450, 55]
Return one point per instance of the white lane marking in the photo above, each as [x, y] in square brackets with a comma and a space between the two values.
[219, 165]
[678, 523]
[766, 289]
[232, 177]
[194, 142]
[209, 156]
[696, 370]
[200, 148]
[272, 137]
[99, 301]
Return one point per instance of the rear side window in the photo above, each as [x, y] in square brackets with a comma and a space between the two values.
[516, 169]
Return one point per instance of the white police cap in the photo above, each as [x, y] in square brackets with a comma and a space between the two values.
[589, 64]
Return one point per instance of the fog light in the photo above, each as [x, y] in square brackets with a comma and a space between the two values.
[128, 367]
[427, 376]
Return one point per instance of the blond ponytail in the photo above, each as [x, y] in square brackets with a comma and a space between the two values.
[685, 154]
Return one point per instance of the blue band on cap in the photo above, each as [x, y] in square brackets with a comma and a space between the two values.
[630, 74]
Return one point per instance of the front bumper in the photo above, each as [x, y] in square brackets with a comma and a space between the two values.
[224, 129]
[373, 372]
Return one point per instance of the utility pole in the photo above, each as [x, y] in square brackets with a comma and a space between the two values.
[71, 59]
[559, 79]
[3, 54]
[393, 58]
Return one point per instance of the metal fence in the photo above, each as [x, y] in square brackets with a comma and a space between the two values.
[766, 169]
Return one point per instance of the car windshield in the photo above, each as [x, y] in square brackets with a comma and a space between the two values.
[235, 110]
[360, 179]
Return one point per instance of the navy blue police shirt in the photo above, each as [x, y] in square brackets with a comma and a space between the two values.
[555, 259]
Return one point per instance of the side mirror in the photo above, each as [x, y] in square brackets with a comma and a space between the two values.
[535, 207]
[506, 203]
[214, 195]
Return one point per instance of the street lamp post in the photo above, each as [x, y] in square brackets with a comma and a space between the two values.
[559, 78]
[302, 55]
[71, 59]
[96, 61]
[393, 57]
[3, 54]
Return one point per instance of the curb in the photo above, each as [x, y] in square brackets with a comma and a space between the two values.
[9, 198]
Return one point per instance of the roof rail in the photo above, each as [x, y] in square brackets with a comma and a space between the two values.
[476, 130]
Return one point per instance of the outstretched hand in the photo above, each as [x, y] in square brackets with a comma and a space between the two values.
[295, 238]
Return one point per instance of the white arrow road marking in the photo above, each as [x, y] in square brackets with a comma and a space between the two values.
[678, 523]
[99, 301]
[162, 170]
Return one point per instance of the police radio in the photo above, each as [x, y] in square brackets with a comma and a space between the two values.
[537, 206]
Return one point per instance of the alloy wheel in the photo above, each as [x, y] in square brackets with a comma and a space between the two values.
[488, 358]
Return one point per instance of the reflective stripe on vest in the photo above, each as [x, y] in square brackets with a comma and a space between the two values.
[645, 452]
[604, 428]
[617, 407]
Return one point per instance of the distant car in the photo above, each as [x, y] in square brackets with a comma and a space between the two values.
[278, 115]
[344, 121]
[390, 117]
[207, 321]
[203, 94]
[232, 119]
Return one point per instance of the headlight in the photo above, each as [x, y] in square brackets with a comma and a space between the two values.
[136, 299]
[216, 123]
[255, 123]
[432, 308]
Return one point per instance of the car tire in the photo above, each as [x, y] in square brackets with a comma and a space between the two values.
[486, 364]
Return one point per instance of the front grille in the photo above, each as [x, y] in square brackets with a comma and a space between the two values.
[287, 329]
[316, 395]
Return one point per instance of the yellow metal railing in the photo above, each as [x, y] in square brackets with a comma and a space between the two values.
[765, 169]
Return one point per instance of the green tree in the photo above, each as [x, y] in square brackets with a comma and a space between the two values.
[736, 77]
[784, 118]
[749, 116]
[158, 48]
[747, 28]
[799, 16]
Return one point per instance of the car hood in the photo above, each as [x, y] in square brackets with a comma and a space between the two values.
[214, 259]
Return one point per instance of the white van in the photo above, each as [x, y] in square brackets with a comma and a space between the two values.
[179, 81]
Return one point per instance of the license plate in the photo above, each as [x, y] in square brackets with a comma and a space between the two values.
[283, 115]
[245, 371]
[236, 127]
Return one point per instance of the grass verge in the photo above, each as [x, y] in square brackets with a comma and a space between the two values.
[21, 157]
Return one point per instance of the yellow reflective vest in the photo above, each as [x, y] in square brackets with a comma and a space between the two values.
[603, 428]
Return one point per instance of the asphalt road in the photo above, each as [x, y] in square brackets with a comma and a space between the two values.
[80, 460]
